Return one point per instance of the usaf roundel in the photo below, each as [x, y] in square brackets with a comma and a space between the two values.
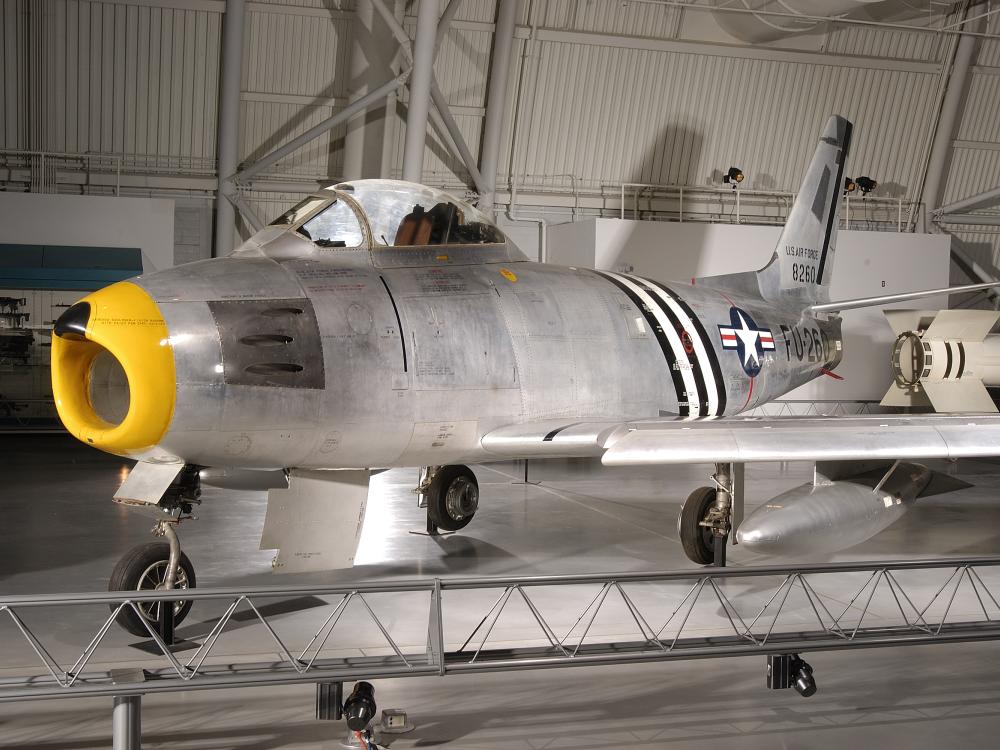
[749, 340]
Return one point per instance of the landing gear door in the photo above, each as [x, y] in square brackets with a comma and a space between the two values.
[146, 483]
[315, 524]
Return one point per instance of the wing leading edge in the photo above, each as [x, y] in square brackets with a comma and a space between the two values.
[747, 439]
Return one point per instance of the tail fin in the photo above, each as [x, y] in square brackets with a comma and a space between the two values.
[802, 263]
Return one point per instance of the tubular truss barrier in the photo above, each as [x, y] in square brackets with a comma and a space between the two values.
[494, 624]
[737, 206]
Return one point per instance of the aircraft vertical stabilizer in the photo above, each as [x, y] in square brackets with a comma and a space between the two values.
[802, 264]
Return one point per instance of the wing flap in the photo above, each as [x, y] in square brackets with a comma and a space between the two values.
[808, 439]
[561, 438]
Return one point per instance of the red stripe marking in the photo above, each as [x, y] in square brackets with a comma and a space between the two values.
[749, 394]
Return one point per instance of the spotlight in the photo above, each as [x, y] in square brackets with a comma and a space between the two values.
[790, 671]
[802, 678]
[866, 185]
[734, 175]
[360, 708]
[849, 185]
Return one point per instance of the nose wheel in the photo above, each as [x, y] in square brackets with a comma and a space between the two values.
[147, 567]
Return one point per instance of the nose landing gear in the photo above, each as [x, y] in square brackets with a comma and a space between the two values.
[158, 566]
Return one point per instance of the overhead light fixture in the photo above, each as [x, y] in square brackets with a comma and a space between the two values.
[734, 176]
[866, 185]
[849, 185]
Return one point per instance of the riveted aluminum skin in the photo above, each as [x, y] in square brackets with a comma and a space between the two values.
[469, 351]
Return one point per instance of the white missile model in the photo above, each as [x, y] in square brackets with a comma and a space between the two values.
[944, 359]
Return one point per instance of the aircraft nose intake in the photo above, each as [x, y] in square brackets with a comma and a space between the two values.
[113, 374]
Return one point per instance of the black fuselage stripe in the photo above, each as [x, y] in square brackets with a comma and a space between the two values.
[661, 337]
[833, 202]
[550, 436]
[693, 362]
[399, 322]
[961, 360]
[713, 358]
[947, 362]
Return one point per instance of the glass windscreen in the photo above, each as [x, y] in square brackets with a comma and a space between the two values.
[334, 226]
[410, 215]
[297, 213]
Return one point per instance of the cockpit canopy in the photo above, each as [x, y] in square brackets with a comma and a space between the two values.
[374, 214]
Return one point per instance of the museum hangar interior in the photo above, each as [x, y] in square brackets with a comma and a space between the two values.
[499, 373]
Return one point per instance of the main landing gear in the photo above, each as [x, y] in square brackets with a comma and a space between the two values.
[450, 495]
[707, 516]
[157, 566]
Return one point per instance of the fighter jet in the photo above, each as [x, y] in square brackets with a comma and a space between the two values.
[384, 324]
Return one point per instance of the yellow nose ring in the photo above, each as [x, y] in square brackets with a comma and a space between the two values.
[118, 329]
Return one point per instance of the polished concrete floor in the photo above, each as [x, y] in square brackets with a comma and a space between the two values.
[61, 533]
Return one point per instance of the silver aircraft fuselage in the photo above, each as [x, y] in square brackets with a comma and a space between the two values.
[408, 356]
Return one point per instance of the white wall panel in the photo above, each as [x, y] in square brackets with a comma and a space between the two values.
[13, 76]
[296, 54]
[641, 19]
[989, 50]
[130, 79]
[607, 114]
[462, 67]
[980, 120]
[973, 170]
[267, 125]
[868, 41]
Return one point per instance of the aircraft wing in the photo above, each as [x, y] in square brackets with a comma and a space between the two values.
[746, 439]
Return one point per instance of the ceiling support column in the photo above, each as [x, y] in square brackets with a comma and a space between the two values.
[228, 137]
[496, 101]
[420, 91]
[944, 133]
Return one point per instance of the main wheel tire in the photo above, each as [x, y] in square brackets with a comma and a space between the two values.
[144, 568]
[697, 541]
[453, 497]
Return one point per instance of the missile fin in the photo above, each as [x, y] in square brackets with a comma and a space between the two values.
[966, 325]
[912, 396]
[965, 395]
[904, 321]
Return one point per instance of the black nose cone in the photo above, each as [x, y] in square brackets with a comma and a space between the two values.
[72, 324]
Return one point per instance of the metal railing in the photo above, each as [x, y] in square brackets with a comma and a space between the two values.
[43, 166]
[493, 624]
[704, 204]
